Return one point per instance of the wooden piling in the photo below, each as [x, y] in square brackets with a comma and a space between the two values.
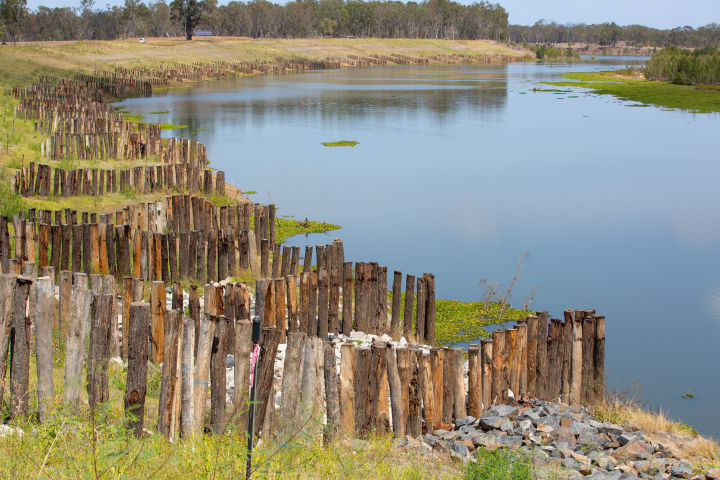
[78, 328]
[347, 298]
[136, 384]
[474, 381]
[332, 394]
[187, 413]
[577, 358]
[168, 383]
[243, 349]
[498, 368]
[218, 386]
[486, 352]
[323, 302]
[157, 309]
[98, 354]
[347, 390]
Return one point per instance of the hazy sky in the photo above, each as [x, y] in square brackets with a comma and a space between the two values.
[653, 13]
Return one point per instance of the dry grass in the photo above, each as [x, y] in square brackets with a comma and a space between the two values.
[628, 412]
[86, 56]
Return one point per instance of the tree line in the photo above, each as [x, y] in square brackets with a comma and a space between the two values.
[543, 32]
[683, 67]
[258, 19]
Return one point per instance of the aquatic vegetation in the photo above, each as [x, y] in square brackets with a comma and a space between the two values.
[648, 92]
[341, 143]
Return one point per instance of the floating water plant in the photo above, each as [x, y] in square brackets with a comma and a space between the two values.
[341, 143]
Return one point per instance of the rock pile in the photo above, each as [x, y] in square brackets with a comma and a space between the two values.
[558, 437]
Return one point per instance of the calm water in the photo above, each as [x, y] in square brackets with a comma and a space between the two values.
[461, 169]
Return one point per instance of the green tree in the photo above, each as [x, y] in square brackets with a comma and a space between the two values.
[12, 13]
[190, 13]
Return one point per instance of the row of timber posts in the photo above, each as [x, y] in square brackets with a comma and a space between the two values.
[42, 180]
[382, 388]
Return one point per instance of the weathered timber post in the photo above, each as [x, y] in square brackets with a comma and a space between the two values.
[78, 327]
[168, 380]
[404, 367]
[20, 348]
[396, 396]
[437, 357]
[97, 381]
[599, 360]
[588, 356]
[218, 387]
[202, 371]
[8, 284]
[323, 303]
[331, 391]
[428, 390]
[136, 386]
[157, 310]
[541, 379]
[264, 374]
[532, 329]
[414, 423]
[347, 389]
[409, 300]
[522, 354]
[486, 350]
[187, 413]
[264, 257]
[498, 368]
[396, 305]
[474, 381]
[347, 298]
[420, 311]
[577, 358]
[334, 307]
[291, 289]
[43, 343]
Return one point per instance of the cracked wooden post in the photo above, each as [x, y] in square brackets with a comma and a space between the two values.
[577, 358]
[136, 385]
[264, 375]
[78, 328]
[202, 371]
[44, 313]
[588, 355]
[8, 284]
[404, 366]
[65, 296]
[187, 377]
[20, 348]
[347, 298]
[498, 367]
[157, 310]
[98, 354]
[168, 380]
[599, 360]
[437, 364]
[396, 305]
[334, 306]
[474, 381]
[347, 390]
[532, 328]
[486, 348]
[409, 300]
[323, 303]
[291, 291]
[414, 422]
[332, 394]
[218, 387]
[396, 396]
[541, 377]
[243, 349]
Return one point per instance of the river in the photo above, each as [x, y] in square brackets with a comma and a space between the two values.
[460, 169]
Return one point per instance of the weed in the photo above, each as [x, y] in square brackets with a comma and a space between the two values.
[500, 464]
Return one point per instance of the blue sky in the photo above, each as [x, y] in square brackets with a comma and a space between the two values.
[653, 13]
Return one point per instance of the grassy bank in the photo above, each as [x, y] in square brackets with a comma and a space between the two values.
[646, 92]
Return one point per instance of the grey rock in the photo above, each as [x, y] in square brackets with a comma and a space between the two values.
[440, 432]
[523, 427]
[506, 411]
[491, 422]
[680, 471]
[611, 429]
[468, 429]
[460, 448]
[580, 428]
[464, 421]
[507, 427]
[431, 439]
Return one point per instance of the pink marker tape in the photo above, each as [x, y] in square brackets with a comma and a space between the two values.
[253, 363]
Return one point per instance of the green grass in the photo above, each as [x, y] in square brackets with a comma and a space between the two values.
[285, 228]
[159, 113]
[341, 143]
[499, 464]
[644, 91]
[77, 444]
[457, 321]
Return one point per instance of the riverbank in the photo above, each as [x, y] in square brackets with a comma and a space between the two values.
[632, 86]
